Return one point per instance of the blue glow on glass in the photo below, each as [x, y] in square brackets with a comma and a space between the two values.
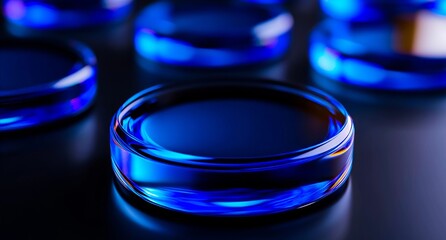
[26, 117]
[167, 33]
[342, 8]
[360, 71]
[438, 6]
[370, 10]
[163, 49]
[349, 47]
[64, 14]
[187, 167]
[138, 216]
[37, 95]
[146, 44]
[356, 10]
[41, 13]
[441, 6]
[325, 60]
[241, 204]
[331, 221]
[7, 121]
[371, 56]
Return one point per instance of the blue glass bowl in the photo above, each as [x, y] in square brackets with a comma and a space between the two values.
[210, 35]
[407, 54]
[42, 81]
[66, 14]
[232, 148]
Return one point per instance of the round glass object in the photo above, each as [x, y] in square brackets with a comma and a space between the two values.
[406, 54]
[42, 81]
[232, 148]
[66, 14]
[210, 35]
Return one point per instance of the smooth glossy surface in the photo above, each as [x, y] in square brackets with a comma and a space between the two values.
[195, 128]
[407, 54]
[43, 81]
[212, 34]
[241, 160]
[328, 222]
[66, 14]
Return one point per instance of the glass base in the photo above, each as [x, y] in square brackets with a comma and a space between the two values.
[235, 202]
[22, 117]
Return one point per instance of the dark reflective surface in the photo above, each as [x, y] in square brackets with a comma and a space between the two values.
[326, 220]
[56, 183]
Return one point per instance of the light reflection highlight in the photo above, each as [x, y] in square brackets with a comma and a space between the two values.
[115, 4]
[41, 97]
[78, 77]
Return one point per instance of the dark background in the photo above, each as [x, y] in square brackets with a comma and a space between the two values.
[57, 182]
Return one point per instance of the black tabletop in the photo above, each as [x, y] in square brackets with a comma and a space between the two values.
[57, 182]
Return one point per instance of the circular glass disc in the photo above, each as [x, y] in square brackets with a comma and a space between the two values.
[247, 147]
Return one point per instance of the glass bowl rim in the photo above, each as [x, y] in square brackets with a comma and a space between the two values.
[81, 52]
[298, 156]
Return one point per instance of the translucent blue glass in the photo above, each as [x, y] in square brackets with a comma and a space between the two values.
[212, 34]
[406, 54]
[231, 148]
[373, 10]
[58, 14]
[43, 81]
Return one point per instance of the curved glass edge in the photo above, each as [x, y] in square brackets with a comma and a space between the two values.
[240, 190]
[63, 98]
[335, 65]
[374, 10]
[264, 196]
[266, 44]
[78, 77]
[332, 221]
[40, 15]
[174, 52]
[31, 114]
[152, 151]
